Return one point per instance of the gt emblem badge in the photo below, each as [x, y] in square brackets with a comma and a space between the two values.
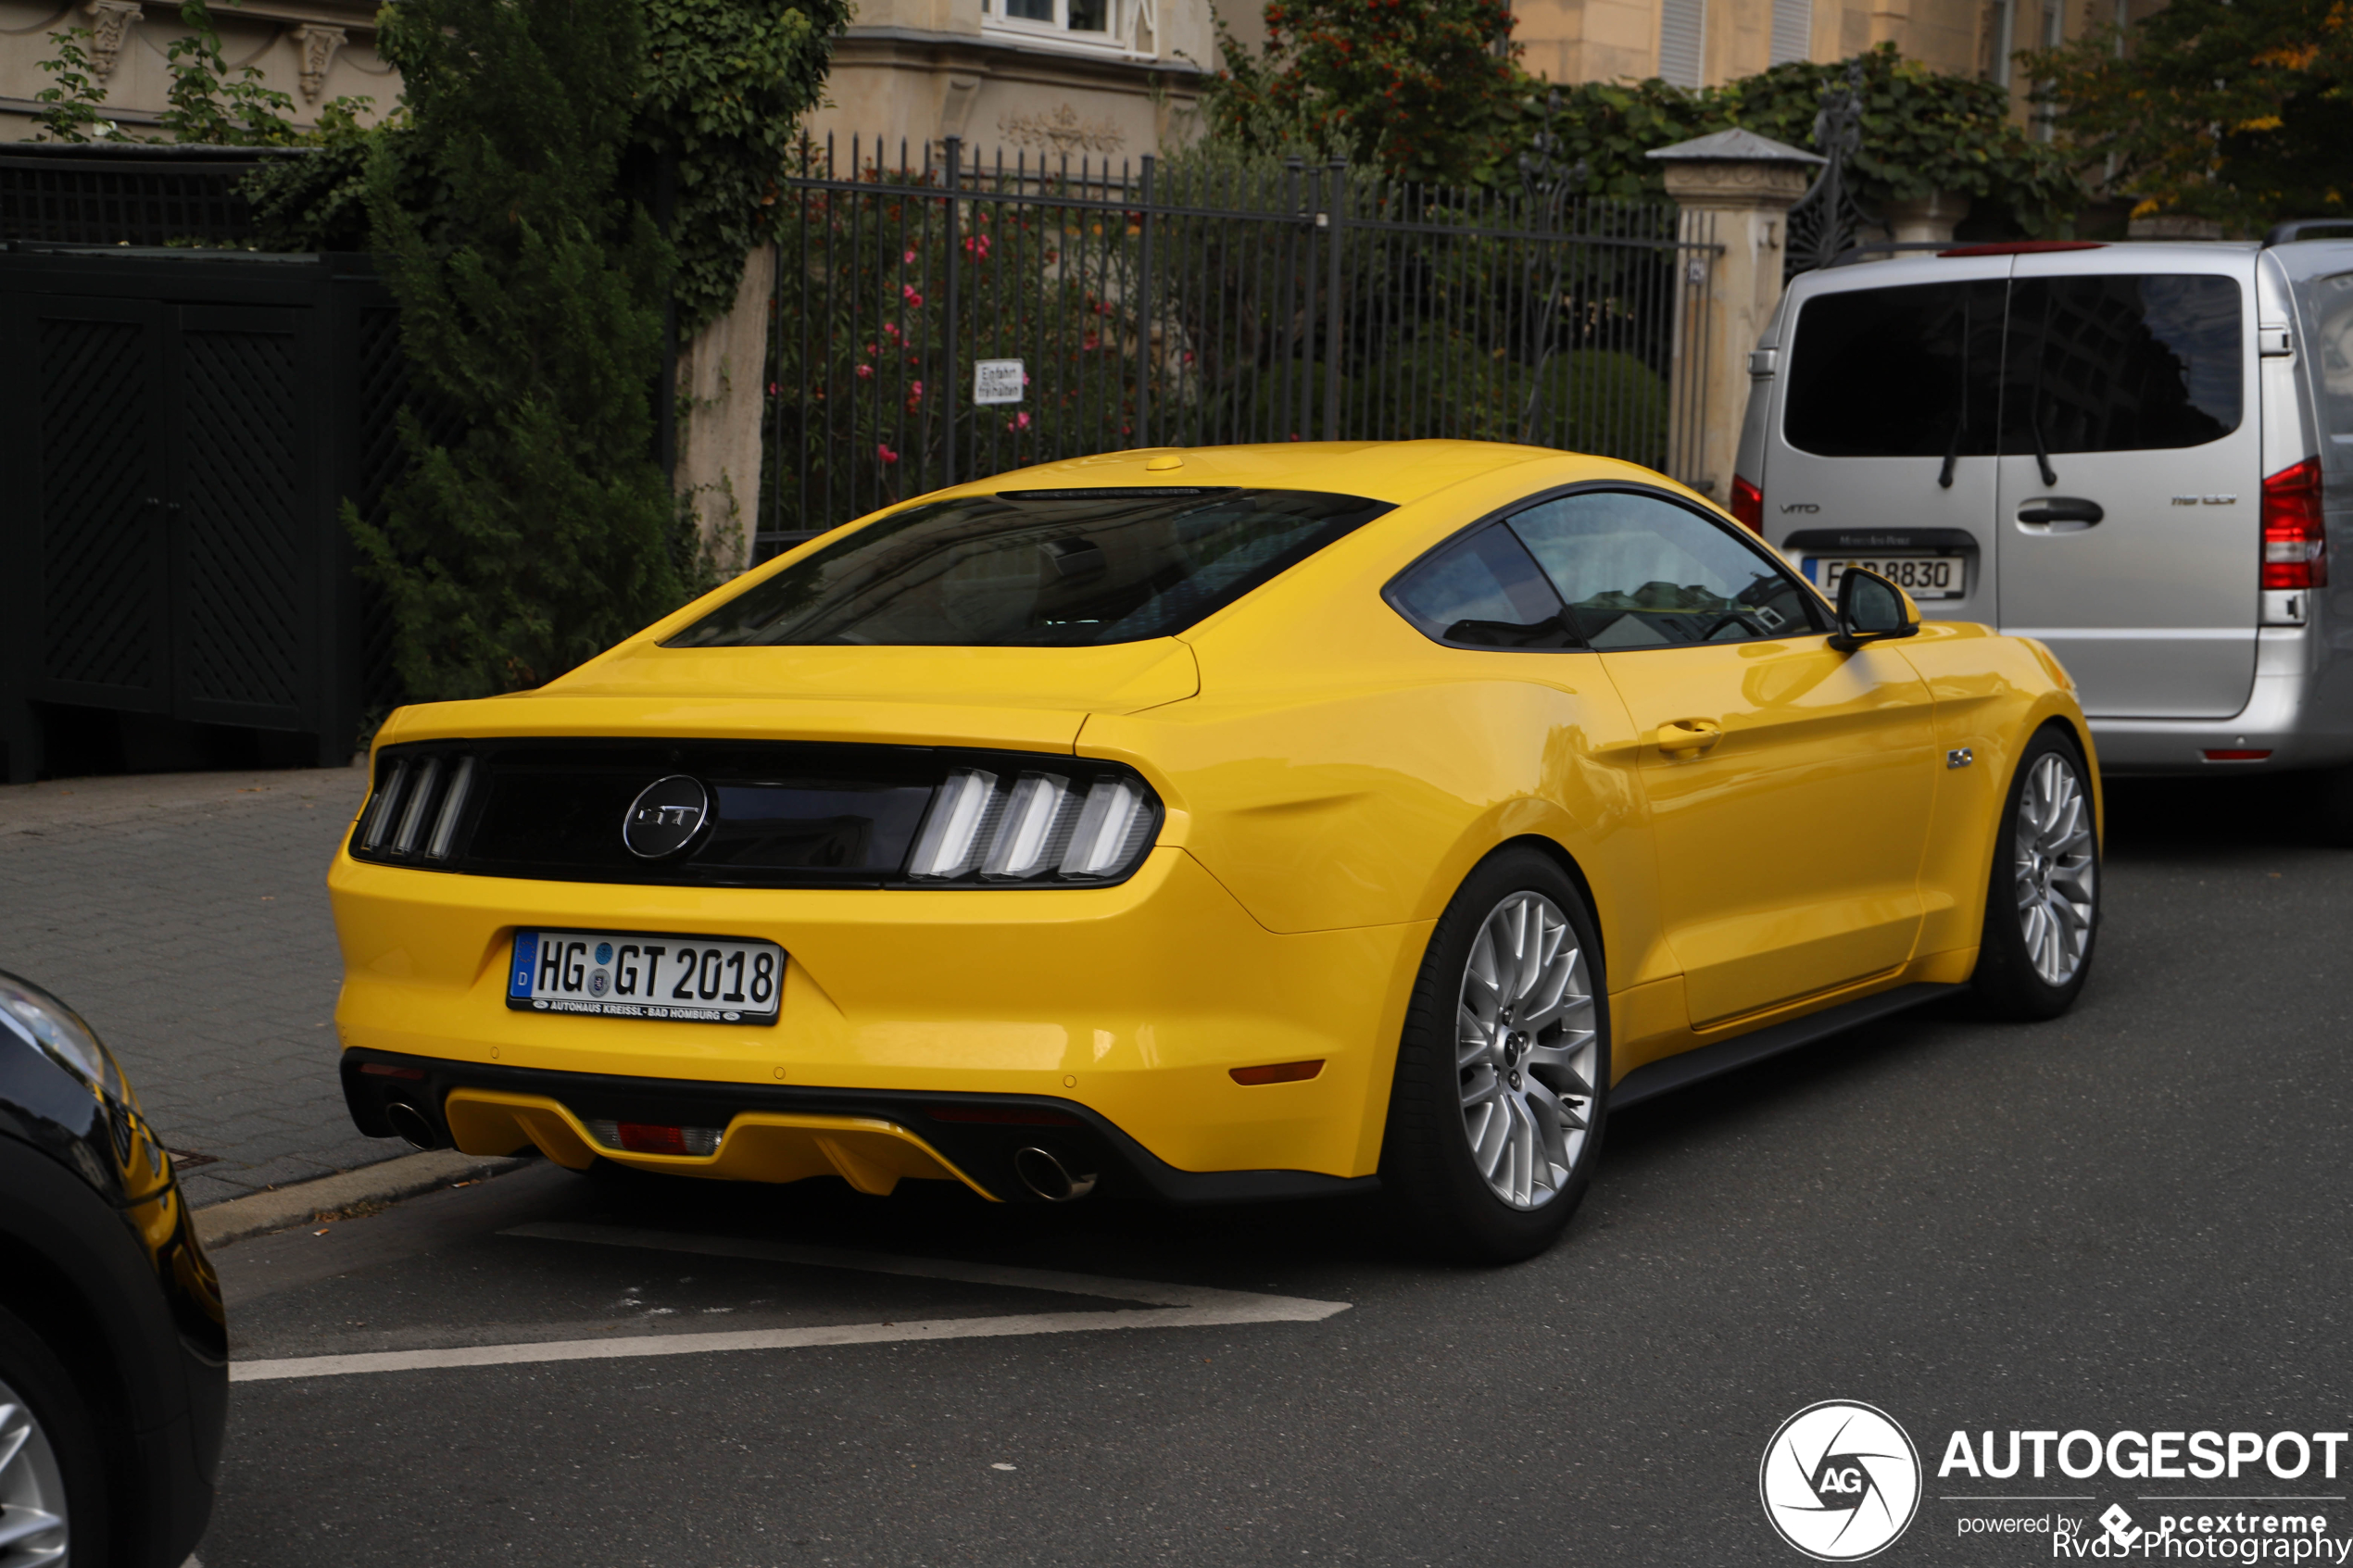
[666, 817]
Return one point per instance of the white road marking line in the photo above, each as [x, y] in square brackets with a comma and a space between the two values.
[1176, 1306]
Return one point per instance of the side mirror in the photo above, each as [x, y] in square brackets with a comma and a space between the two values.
[1871, 609]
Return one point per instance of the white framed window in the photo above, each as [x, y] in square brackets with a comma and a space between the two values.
[1070, 21]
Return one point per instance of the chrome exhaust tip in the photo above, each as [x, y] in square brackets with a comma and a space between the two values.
[411, 1125]
[1042, 1173]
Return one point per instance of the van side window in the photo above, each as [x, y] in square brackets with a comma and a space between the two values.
[1896, 372]
[2328, 332]
[1484, 592]
[2123, 362]
[1639, 571]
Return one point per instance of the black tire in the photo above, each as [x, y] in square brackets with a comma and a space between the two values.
[2012, 982]
[2333, 813]
[33, 1372]
[1430, 1172]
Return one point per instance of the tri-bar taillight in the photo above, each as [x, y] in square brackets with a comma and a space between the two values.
[1041, 825]
[2295, 540]
[417, 806]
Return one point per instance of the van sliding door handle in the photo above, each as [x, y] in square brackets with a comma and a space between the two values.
[2061, 509]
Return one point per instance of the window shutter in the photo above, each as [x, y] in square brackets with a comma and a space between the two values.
[1792, 31]
[1683, 29]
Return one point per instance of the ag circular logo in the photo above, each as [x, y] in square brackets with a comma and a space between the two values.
[1840, 1481]
[666, 817]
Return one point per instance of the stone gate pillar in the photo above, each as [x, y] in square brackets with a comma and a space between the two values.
[721, 384]
[1735, 189]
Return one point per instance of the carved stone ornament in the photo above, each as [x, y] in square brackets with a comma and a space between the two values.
[1726, 184]
[110, 23]
[318, 43]
[1063, 130]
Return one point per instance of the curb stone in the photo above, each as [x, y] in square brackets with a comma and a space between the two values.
[283, 1208]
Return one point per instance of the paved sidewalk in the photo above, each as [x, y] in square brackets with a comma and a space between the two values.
[185, 916]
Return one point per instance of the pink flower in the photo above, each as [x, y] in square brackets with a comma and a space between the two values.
[1021, 421]
[865, 371]
[910, 258]
[773, 389]
[977, 247]
[883, 451]
[907, 292]
[916, 393]
[891, 328]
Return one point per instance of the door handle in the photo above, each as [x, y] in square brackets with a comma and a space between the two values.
[2061, 509]
[1689, 735]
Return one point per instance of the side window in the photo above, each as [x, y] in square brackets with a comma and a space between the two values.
[2124, 362]
[2328, 332]
[1483, 592]
[1639, 571]
[1900, 373]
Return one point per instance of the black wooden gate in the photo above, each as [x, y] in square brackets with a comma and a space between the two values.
[178, 429]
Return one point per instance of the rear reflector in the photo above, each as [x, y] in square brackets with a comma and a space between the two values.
[1748, 505]
[2236, 756]
[1280, 1072]
[649, 1137]
[386, 1070]
[1005, 1115]
[2296, 539]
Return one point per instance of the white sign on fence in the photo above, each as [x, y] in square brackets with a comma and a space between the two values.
[996, 380]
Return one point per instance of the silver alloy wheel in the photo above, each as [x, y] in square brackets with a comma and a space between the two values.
[33, 1490]
[1524, 1050]
[2056, 869]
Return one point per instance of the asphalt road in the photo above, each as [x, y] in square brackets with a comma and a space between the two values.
[2133, 1218]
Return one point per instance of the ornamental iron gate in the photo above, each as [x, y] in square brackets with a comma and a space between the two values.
[937, 321]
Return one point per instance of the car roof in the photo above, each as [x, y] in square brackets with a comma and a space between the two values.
[1991, 260]
[1396, 471]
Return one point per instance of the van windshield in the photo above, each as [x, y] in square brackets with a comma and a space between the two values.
[1036, 568]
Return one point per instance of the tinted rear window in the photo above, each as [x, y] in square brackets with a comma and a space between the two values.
[1899, 372]
[2123, 362]
[1036, 568]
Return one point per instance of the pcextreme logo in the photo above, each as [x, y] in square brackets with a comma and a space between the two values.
[1840, 1481]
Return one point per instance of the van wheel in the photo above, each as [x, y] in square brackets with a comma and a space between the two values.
[53, 1477]
[1495, 1118]
[2041, 907]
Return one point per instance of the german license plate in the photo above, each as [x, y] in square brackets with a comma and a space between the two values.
[626, 974]
[1923, 577]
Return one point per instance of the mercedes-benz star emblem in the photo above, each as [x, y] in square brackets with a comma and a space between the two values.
[666, 817]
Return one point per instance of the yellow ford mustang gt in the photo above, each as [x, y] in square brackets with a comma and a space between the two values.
[1219, 825]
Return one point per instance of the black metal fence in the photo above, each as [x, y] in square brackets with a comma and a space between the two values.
[141, 194]
[935, 322]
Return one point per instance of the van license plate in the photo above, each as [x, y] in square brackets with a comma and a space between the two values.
[1923, 577]
[630, 974]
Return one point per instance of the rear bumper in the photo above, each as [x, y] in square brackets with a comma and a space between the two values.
[871, 1139]
[1135, 1002]
[2299, 713]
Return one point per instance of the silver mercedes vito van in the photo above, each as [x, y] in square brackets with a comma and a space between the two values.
[2135, 453]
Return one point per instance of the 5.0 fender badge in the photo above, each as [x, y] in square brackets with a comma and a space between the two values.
[666, 817]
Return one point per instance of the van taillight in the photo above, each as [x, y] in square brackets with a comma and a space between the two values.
[2296, 540]
[1748, 505]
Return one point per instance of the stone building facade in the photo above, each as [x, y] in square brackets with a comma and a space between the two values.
[313, 50]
